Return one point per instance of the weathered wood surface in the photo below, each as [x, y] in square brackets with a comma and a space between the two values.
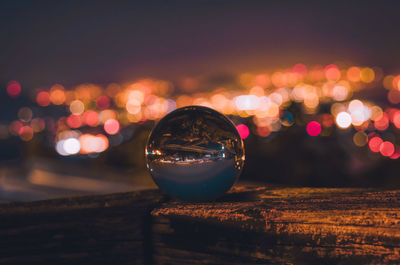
[248, 226]
[109, 229]
[282, 226]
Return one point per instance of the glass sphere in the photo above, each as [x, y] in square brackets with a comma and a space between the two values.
[195, 154]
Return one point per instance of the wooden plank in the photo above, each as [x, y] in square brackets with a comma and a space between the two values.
[251, 225]
[107, 229]
[281, 225]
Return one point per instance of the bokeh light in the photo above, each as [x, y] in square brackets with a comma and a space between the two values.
[77, 107]
[25, 114]
[13, 89]
[243, 131]
[71, 146]
[26, 133]
[43, 98]
[111, 126]
[386, 148]
[375, 143]
[266, 101]
[360, 139]
[313, 128]
[343, 120]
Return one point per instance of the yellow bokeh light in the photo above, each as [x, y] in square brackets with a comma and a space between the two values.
[311, 101]
[388, 82]
[367, 75]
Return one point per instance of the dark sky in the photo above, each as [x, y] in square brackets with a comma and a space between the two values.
[43, 42]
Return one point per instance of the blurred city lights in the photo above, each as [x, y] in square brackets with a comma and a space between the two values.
[323, 94]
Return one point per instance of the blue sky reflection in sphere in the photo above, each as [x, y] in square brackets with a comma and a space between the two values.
[195, 154]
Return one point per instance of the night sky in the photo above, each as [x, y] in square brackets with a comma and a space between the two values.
[70, 42]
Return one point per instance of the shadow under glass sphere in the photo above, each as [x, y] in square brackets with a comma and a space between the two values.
[195, 153]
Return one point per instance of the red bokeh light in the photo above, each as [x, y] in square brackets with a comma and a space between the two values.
[383, 123]
[313, 128]
[102, 102]
[327, 120]
[15, 127]
[386, 148]
[13, 89]
[111, 126]
[74, 121]
[396, 154]
[300, 69]
[26, 133]
[375, 143]
[263, 131]
[396, 119]
[43, 98]
[243, 131]
[91, 118]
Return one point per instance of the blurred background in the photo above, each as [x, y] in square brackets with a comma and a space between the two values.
[313, 88]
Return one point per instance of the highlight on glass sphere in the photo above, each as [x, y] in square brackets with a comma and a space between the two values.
[195, 154]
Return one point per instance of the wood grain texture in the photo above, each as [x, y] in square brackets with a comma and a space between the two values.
[108, 229]
[250, 225]
[283, 226]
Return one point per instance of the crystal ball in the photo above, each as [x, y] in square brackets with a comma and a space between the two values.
[195, 154]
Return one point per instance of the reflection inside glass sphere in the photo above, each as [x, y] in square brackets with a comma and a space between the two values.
[195, 153]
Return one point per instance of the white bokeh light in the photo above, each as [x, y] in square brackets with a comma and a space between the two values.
[343, 120]
[71, 146]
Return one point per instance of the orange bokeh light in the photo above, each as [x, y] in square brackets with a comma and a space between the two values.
[91, 118]
[57, 95]
[353, 74]
[332, 72]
